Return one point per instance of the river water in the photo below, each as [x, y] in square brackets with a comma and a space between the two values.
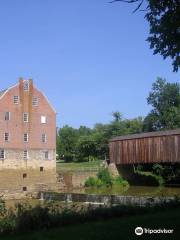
[135, 191]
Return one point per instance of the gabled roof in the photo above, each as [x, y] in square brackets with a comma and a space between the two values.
[2, 92]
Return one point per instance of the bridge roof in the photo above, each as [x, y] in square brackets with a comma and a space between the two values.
[146, 135]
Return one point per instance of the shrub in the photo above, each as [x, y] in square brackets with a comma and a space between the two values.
[105, 177]
[93, 182]
[27, 218]
[120, 181]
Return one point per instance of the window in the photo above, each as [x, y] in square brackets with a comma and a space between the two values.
[26, 137]
[43, 138]
[7, 116]
[2, 154]
[24, 175]
[26, 85]
[16, 99]
[35, 101]
[46, 155]
[24, 189]
[41, 169]
[6, 137]
[25, 154]
[25, 117]
[43, 119]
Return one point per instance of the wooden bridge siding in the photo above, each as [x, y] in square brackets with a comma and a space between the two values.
[146, 150]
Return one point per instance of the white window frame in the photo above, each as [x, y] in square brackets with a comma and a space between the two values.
[43, 119]
[25, 117]
[26, 137]
[26, 85]
[2, 154]
[25, 154]
[16, 99]
[6, 137]
[43, 138]
[35, 101]
[9, 116]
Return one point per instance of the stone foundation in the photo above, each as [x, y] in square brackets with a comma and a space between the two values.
[75, 179]
[14, 160]
[16, 184]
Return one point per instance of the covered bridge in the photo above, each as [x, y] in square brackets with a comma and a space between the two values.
[152, 147]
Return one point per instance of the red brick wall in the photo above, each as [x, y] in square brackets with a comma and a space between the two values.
[16, 127]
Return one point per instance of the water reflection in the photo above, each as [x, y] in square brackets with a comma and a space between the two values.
[131, 191]
[135, 191]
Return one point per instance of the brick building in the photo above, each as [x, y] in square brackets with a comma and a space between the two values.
[27, 128]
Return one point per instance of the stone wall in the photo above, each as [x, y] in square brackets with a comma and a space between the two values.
[25, 182]
[14, 159]
[76, 179]
[106, 199]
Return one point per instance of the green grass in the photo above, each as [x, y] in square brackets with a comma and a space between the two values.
[119, 228]
[79, 166]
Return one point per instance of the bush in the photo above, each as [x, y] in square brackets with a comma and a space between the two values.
[105, 177]
[120, 181]
[93, 182]
[25, 218]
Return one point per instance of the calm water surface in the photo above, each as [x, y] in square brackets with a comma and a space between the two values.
[135, 191]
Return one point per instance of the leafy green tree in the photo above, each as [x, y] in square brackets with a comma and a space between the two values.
[84, 131]
[163, 17]
[66, 143]
[86, 148]
[117, 116]
[165, 100]
[134, 125]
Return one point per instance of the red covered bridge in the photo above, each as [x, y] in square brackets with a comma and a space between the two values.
[152, 147]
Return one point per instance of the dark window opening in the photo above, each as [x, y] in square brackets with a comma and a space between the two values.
[2, 154]
[41, 169]
[7, 116]
[24, 175]
[24, 188]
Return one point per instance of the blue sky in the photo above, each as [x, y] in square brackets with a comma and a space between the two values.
[88, 56]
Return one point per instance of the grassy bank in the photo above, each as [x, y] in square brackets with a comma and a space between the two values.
[79, 166]
[119, 228]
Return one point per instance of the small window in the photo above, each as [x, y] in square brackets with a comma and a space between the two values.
[24, 189]
[43, 119]
[41, 169]
[24, 175]
[6, 137]
[46, 155]
[2, 154]
[25, 117]
[7, 116]
[25, 154]
[43, 138]
[26, 85]
[16, 99]
[26, 137]
[35, 101]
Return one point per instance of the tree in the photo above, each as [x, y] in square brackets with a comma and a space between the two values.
[165, 100]
[66, 142]
[117, 116]
[134, 125]
[164, 21]
[86, 148]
